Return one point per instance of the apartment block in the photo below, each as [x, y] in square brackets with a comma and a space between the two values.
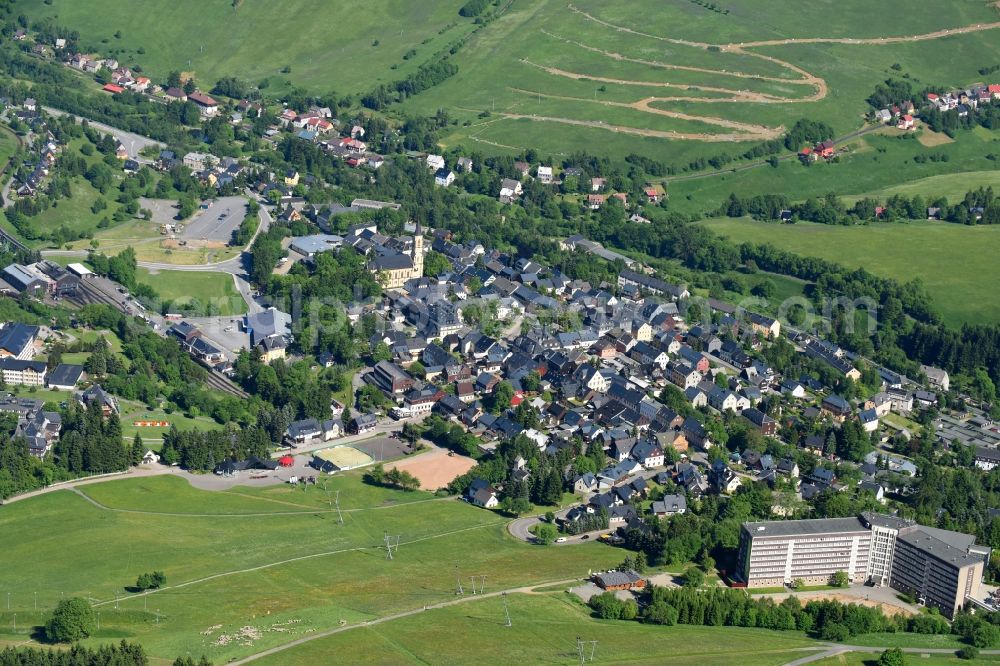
[940, 568]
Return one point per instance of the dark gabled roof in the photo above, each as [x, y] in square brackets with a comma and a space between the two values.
[65, 375]
[15, 337]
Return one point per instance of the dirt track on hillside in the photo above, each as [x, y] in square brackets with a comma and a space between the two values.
[744, 131]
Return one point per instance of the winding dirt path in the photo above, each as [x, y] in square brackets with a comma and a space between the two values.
[748, 131]
[744, 131]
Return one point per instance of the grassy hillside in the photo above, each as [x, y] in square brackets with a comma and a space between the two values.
[543, 630]
[956, 263]
[326, 45]
[669, 79]
[873, 163]
[642, 76]
[274, 559]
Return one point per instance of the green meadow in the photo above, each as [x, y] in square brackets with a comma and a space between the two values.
[274, 559]
[956, 263]
[322, 46]
[544, 630]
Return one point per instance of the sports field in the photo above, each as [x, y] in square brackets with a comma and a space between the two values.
[275, 559]
[956, 263]
[544, 629]
[435, 468]
[345, 457]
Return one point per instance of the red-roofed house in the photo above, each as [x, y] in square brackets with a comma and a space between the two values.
[208, 106]
[905, 123]
[826, 149]
[595, 201]
[113, 89]
[140, 84]
[287, 116]
[651, 194]
[994, 89]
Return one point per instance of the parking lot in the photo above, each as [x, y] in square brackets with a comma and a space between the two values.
[225, 332]
[217, 222]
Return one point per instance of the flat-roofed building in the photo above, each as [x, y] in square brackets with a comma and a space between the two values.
[939, 567]
[777, 552]
[934, 566]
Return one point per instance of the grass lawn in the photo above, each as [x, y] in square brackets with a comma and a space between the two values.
[8, 144]
[216, 289]
[956, 263]
[288, 574]
[543, 630]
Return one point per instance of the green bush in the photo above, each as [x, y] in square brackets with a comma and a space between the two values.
[71, 621]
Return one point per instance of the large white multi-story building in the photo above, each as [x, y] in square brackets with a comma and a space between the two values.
[939, 567]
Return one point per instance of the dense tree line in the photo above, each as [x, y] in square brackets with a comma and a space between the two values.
[281, 383]
[950, 122]
[964, 350]
[122, 654]
[979, 206]
[204, 449]
[473, 8]
[427, 76]
[92, 443]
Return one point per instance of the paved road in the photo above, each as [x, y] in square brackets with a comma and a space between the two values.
[134, 473]
[134, 143]
[835, 650]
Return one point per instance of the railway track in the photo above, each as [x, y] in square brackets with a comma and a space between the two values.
[89, 294]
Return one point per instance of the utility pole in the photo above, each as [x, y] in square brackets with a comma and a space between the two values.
[506, 612]
[482, 583]
[336, 500]
[8, 601]
[460, 592]
[391, 543]
[580, 649]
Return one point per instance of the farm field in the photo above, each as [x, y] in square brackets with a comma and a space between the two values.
[956, 263]
[544, 629]
[223, 38]
[274, 559]
[216, 289]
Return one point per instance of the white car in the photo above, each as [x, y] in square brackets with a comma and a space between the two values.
[561, 540]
